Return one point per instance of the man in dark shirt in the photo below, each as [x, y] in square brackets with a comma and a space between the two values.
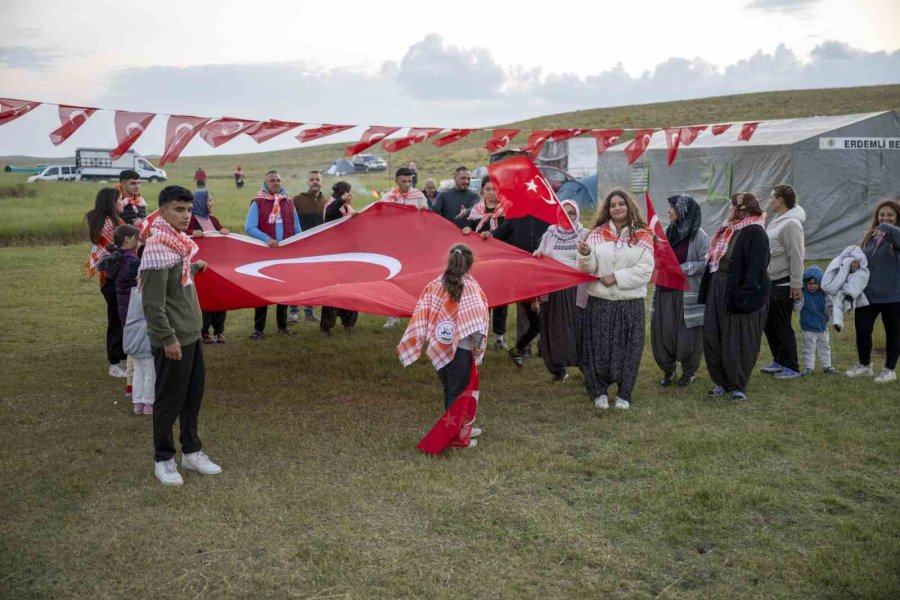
[454, 204]
[310, 207]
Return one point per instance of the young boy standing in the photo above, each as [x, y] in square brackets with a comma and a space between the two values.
[173, 324]
[814, 317]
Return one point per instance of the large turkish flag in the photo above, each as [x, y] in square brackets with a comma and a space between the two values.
[377, 262]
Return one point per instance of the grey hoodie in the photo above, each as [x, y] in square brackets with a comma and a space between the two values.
[787, 247]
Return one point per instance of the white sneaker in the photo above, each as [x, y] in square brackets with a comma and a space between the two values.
[117, 371]
[294, 318]
[859, 371]
[473, 443]
[167, 473]
[198, 461]
[622, 404]
[476, 431]
[390, 322]
[886, 376]
[602, 402]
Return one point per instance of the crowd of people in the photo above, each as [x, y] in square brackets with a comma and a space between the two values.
[744, 281]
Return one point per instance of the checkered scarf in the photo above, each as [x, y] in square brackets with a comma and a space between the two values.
[607, 233]
[166, 248]
[719, 244]
[277, 199]
[414, 197]
[441, 322]
[480, 211]
[99, 251]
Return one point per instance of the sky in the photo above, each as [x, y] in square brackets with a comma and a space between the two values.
[440, 64]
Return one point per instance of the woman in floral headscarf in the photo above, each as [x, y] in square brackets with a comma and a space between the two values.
[735, 290]
[676, 320]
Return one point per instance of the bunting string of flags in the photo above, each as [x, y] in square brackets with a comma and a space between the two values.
[181, 129]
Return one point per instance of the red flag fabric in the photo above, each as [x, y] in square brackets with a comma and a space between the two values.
[315, 133]
[561, 135]
[264, 131]
[415, 135]
[376, 262]
[180, 130]
[453, 136]
[215, 133]
[606, 138]
[720, 129]
[639, 144]
[536, 141]
[454, 428]
[747, 130]
[666, 270]
[70, 119]
[129, 127]
[687, 135]
[11, 109]
[522, 190]
[500, 138]
[673, 138]
[370, 137]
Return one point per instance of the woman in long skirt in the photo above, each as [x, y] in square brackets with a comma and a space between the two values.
[676, 320]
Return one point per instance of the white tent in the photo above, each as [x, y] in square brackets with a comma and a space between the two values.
[840, 167]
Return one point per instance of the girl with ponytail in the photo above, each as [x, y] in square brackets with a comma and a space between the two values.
[452, 317]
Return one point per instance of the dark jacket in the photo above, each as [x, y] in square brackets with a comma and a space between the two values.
[884, 266]
[524, 233]
[748, 285]
[449, 203]
[333, 210]
[121, 268]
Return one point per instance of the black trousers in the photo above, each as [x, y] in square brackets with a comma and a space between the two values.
[498, 319]
[330, 316]
[259, 317]
[214, 319]
[114, 352]
[534, 325]
[179, 392]
[865, 318]
[455, 376]
[779, 332]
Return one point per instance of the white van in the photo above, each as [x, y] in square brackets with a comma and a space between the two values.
[95, 164]
[55, 173]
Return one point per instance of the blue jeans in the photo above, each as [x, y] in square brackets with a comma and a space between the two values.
[307, 310]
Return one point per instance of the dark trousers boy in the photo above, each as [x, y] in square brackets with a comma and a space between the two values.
[179, 392]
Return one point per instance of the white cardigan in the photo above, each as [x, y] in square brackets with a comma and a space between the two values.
[632, 266]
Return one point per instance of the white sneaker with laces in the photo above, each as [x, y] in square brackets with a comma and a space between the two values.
[886, 376]
[390, 322]
[860, 371]
[602, 402]
[473, 443]
[198, 461]
[476, 431]
[117, 371]
[622, 404]
[167, 473]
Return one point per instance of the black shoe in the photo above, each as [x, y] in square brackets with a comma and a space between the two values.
[686, 380]
[525, 352]
[257, 335]
[516, 357]
[286, 332]
[668, 379]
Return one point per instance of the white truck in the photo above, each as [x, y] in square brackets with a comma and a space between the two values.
[95, 163]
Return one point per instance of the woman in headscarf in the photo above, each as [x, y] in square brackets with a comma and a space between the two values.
[735, 290]
[561, 313]
[676, 320]
[202, 222]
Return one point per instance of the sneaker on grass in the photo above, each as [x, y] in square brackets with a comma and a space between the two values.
[117, 371]
[148, 409]
[787, 373]
[167, 473]
[829, 371]
[137, 408]
[476, 431]
[294, 318]
[772, 368]
[860, 371]
[886, 376]
[717, 391]
[602, 402]
[390, 322]
[198, 461]
[622, 404]
[738, 395]
[807, 372]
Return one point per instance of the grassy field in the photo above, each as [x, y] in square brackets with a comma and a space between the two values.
[794, 494]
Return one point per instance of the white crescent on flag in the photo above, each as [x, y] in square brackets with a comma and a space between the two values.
[388, 262]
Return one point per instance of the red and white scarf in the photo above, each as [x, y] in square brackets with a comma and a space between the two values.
[166, 248]
[480, 212]
[719, 244]
[413, 197]
[99, 251]
[277, 199]
[607, 233]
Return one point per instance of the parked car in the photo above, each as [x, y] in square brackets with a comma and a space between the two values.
[363, 163]
[55, 173]
[95, 164]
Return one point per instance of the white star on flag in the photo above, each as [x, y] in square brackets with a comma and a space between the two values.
[532, 186]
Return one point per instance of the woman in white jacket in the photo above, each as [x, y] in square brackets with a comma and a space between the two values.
[619, 253]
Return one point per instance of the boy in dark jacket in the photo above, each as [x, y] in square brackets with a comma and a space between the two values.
[814, 317]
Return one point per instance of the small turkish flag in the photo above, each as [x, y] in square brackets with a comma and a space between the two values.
[180, 130]
[129, 127]
[666, 270]
[687, 135]
[264, 131]
[11, 109]
[522, 190]
[639, 144]
[747, 130]
[720, 129]
[454, 135]
[561, 135]
[500, 138]
[70, 119]
[415, 135]
[215, 133]
[606, 138]
[315, 133]
[673, 138]
[536, 141]
[370, 137]
[454, 428]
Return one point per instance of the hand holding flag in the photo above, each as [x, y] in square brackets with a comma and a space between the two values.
[666, 271]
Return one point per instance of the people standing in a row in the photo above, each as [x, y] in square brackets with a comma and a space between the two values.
[454, 204]
[310, 206]
[881, 244]
[339, 206]
[203, 222]
[786, 244]
[735, 292]
[271, 219]
[676, 319]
